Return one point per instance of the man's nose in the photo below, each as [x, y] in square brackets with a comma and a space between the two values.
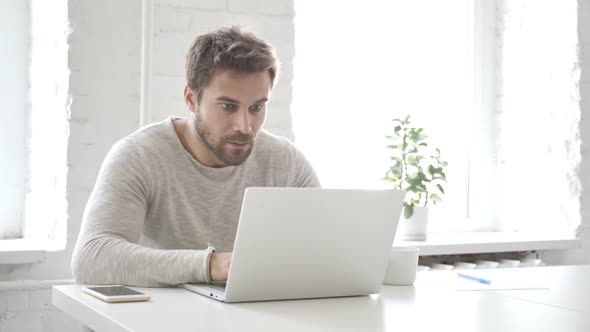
[242, 122]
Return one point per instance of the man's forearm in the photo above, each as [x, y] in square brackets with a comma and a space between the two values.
[110, 260]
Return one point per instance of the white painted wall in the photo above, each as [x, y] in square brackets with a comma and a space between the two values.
[105, 59]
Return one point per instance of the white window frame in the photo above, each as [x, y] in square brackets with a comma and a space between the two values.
[492, 203]
[481, 205]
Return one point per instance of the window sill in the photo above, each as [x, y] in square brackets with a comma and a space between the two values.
[26, 251]
[484, 242]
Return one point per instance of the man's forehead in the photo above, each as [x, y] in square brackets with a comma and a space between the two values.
[232, 74]
[239, 85]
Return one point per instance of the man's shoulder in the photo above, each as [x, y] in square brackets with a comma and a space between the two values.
[278, 156]
[276, 149]
[152, 137]
[271, 142]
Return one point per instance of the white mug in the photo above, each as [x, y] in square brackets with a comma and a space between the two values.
[401, 267]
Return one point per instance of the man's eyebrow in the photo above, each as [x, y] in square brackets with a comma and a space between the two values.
[231, 100]
[228, 99]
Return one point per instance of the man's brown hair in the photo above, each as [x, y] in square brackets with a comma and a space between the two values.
[233, 48]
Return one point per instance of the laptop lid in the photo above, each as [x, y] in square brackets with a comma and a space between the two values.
[294, 243]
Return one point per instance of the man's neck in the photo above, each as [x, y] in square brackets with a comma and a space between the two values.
[181, 127]
[192, 143]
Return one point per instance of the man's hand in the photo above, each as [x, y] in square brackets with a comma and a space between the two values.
[219, 265]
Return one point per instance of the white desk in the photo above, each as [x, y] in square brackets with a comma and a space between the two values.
[570, 287]
[423, 307]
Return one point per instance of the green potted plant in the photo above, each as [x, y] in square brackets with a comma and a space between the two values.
[417, 168]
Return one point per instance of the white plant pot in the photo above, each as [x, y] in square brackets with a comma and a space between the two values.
[415, 228]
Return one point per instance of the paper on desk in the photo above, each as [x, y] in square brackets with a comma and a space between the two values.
[454, 282]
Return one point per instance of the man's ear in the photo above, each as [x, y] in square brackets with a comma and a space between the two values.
[190, 98]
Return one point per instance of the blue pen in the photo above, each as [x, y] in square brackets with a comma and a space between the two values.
[480, 280]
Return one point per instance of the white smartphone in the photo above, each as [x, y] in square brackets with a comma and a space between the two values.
[115, 293]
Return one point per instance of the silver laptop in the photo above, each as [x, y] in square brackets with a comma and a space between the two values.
[296, 243]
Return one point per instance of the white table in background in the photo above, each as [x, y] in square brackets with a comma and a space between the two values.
[422, 307]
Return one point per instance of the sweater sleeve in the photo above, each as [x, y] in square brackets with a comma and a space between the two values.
[107, 251]
[304, 174]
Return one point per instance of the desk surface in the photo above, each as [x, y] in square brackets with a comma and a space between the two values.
[564, 306]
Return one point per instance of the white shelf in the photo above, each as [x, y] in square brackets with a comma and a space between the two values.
[484, 242]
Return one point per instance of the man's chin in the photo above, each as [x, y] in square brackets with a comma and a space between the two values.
[236, 157]
[235, 162]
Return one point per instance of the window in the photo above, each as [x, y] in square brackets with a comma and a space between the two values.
[538, 116]
[492, 83]
[34, 155]
[358, 67]
[14, 66]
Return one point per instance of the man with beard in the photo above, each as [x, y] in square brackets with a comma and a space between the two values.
[169, 193]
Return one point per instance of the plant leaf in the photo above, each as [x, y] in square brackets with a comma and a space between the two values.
[408, 211]
[435, 198]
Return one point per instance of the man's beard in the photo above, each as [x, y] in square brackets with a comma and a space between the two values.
[220, 148]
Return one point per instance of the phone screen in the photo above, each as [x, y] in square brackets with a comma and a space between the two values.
[115, 290]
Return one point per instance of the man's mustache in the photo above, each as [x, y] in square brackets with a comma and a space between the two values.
[239, 138]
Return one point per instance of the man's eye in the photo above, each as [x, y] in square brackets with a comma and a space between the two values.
[257, 107]
[228, 107]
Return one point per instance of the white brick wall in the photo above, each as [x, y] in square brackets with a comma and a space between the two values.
[581, 255]
[104, 58]
[584, 36]
[177, 23]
